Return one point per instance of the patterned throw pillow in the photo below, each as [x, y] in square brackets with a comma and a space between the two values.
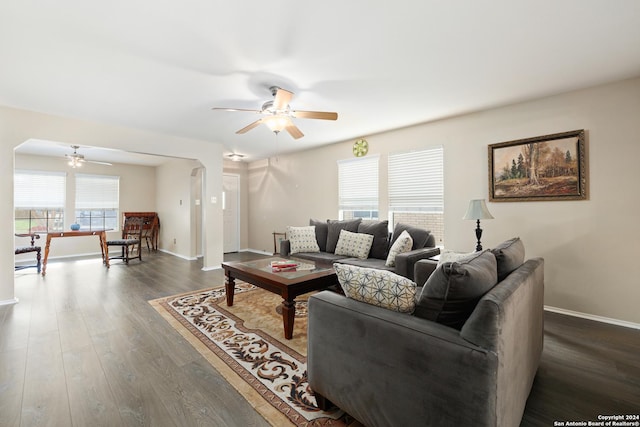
[447, 255]
[377, 287]
[354, 244]
[303, 239]
[403, 243]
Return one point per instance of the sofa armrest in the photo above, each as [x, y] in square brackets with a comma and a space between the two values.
[423, 269]
[285, 248]
[359, 355]
[406, 261]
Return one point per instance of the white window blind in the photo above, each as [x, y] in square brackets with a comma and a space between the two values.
[39, 189]
[358, 184]
[97, 191]
[416, 181]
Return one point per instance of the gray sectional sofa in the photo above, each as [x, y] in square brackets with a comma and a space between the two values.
[328, 233]
[387, 368]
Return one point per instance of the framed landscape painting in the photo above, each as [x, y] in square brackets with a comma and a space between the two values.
[550, 167]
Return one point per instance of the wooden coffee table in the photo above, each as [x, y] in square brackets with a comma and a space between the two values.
[309, 276]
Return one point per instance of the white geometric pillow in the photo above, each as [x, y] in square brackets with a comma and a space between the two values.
[381, 288]
[303, 239]
[354, 244]
[447, 255]
[403, 244]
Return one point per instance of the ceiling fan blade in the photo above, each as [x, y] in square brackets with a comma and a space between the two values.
[282, 99]
[236, 109]
[294, 131]
[99, 163]
[249, 127]
[323, 115]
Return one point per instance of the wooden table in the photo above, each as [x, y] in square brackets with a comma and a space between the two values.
[101, 233]
[288, 284]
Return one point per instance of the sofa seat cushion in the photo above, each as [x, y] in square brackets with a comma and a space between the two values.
[354, 244]
[451, 293]
[380, 232]
[334, 228]
[403, 244]
[378, 264]
[303, 239]
[319, 256]
[377, 287]
[509, 256]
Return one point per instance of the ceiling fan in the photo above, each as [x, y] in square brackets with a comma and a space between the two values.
[76, 160]
[278, 114]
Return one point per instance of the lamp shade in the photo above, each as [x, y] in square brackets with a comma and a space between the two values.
[477, 210]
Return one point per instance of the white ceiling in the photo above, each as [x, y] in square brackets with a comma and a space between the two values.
[381, 65]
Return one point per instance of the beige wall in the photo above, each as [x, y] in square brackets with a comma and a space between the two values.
[137, 193]
[590, 247]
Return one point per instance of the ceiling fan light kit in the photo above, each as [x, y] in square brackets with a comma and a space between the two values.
[76, 159]
[278, 114]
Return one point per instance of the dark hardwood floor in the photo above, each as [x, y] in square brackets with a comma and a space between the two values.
[84, 348]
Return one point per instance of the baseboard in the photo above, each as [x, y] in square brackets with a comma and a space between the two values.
[9, 301]
[256, 251]
[210, 268]
[178, 255]
[593, 317]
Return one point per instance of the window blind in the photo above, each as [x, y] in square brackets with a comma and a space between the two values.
[416, 181]
[97, 191]
[39, 189]
[358, 184]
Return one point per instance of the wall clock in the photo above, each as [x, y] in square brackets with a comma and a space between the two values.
[360, 148]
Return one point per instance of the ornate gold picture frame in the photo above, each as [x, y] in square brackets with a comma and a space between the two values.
[549, 167]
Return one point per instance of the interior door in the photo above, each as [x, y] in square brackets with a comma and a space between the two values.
[231, 212]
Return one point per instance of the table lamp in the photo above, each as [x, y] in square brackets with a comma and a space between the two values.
[478, 210]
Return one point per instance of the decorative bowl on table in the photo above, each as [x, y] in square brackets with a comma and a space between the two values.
[75, 227]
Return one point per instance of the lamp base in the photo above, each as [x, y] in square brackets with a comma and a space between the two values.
[478, 236]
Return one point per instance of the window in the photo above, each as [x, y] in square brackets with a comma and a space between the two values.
[39, 201]
[97, 201]
[358, 188]
[416, 190]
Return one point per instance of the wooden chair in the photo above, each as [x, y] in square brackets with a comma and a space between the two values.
[30, 248]
[131, 241]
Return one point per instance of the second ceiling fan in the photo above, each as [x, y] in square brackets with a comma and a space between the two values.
[278, 114]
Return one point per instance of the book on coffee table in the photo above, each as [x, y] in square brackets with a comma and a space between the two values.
[277, 266]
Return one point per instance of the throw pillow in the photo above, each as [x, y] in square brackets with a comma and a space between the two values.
[451, 256]
[403, 244]
[377, 287]
[333, 233]
[354, 244]
[322, 229]
[509, 256]
[452, 291]
[420, 237]
[302, 239]
[380, 232]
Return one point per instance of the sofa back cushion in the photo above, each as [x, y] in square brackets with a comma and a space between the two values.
[380, 232]
[452, 291]
[322, 230]
[509, 256]
[377, 287]
[421, 238]
[302, 239]
[334, 227]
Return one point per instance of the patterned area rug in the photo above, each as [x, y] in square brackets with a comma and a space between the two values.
[246, 344]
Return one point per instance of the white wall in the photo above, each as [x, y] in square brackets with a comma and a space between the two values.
[17, 126]
[137, 194]
[590, 247]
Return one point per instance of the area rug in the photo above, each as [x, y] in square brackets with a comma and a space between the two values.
[246, 344]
